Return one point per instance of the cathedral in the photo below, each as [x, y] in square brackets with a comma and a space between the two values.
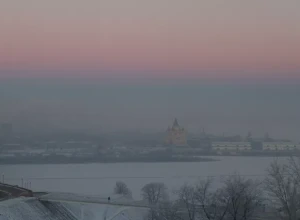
[176, 135]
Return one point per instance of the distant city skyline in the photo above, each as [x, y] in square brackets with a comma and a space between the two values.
[97, 107]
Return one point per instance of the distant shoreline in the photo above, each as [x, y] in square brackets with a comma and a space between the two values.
[158, 158]
[70, 160]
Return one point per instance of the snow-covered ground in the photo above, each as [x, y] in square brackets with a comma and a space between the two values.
[87, 199]
[3, 217]
[34, 209]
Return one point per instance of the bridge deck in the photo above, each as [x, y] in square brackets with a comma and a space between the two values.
[7, 190]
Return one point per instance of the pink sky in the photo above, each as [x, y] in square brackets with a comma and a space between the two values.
[162, 35]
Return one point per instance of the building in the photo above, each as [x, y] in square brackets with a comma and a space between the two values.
[201, 142]
[176, 135]
[13, 150]
[280, 146]
[71, 148]
[231, 146]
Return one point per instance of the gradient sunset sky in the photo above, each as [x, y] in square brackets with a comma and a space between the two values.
[157, 38]
[63, 64]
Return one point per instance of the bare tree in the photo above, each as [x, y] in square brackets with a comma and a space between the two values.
[154, 193]
[212, 205]
[169, 211]
[294, 168]
[122, 189]
[165, 211]
[153, 214]
[283, 185]
[238, 199]
[187, 198]
[243, 197]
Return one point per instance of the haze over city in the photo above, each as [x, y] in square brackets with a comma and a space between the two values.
[61, 105]
[130, 65]
[149, 109]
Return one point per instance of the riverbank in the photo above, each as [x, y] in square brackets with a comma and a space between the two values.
[249, 153]
[78, 160]
[188, 156]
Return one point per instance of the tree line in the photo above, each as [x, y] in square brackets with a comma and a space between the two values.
[238, 198]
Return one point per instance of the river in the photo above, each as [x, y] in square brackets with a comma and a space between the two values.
[99, 179]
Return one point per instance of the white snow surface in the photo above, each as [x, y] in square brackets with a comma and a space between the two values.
[103, 199]
[34, 209]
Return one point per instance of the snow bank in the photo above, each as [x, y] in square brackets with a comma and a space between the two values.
[33, 209]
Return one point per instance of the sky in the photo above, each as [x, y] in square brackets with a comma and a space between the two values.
[226, 66]
[150, 39]
[96, 107]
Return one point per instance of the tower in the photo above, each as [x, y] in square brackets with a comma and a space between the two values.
[176, 135]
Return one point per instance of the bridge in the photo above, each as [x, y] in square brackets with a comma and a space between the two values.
[10, 191]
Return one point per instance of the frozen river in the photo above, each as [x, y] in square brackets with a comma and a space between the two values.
[98, 179]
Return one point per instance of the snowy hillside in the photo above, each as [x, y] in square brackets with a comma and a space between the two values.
[33, 209]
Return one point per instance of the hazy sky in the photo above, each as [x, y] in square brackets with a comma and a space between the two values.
[162, 35]
[44, 105]
[136, 64]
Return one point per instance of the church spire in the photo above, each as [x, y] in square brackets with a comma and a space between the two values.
[176, 136]
[175, 123]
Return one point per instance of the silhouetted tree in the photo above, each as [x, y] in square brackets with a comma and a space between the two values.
[154, 193]
[122, 189]
[212, 205]
[187, 199]
[242, 196]
[238, 199]
[284, 186]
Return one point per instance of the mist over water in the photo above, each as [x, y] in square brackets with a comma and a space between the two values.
[101, 106]
[99, 179]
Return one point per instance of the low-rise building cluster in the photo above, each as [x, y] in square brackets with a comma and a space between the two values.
[248, 146]
[231, 146]
[175, 141]
[52, 148]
